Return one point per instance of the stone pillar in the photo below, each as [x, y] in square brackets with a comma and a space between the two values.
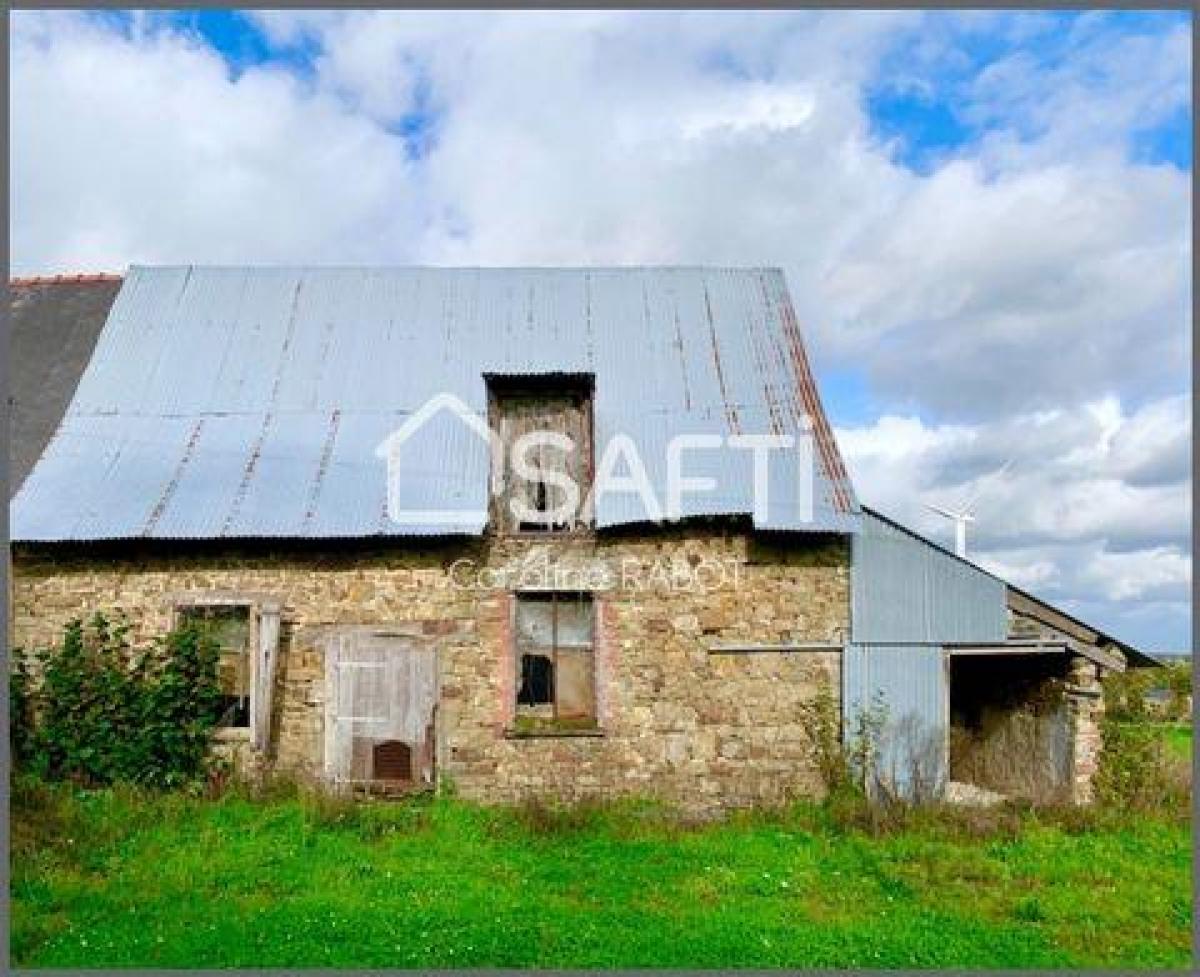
[1085, 710]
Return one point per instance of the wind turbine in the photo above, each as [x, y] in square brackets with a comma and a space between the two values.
[960, 526]
[964, 515]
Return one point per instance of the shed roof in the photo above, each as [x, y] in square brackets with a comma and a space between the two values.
[952, 565]
[53, 327]
[244, 402]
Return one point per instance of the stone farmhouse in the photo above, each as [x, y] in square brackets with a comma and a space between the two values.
[320, 466]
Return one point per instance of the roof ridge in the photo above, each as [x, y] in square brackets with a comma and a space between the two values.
[303, 267]
[78, 278]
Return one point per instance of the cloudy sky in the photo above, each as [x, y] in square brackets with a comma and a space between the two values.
[984, 218]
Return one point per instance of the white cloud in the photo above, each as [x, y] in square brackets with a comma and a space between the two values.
[1155, 445]
[1111, 83]
[1051, 477]
[1161, 572]
[1017, 301]
[1027, 569]
[1060, 497]
[144, 150]
[1022, 291]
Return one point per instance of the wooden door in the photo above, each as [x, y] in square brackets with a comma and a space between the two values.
[381, 697]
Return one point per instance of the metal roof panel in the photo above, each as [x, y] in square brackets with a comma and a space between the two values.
[232, 401]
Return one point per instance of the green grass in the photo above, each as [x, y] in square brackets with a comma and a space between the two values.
[112, 879]
[1178, 739]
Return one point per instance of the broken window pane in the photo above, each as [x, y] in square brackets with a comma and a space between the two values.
[229, 627]
[556, 681]
[575, 690]
[537, 680]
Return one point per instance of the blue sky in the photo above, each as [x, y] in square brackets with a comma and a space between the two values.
[983, 216]
[924, 109]
[916, 105]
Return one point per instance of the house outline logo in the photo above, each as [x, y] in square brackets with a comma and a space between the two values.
[620, 446]
[390, 447]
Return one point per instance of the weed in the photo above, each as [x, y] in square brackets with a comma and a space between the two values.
[1030, 910]
[324, 809]
[541, 817]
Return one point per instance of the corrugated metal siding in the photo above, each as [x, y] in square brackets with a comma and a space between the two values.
[907, 590]
[909, 681]
[239, 402]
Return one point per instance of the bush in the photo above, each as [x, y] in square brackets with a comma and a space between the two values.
[21, 739]
[1125, 694]
[1135, 772]
[105, 712]
[1179, 689]
[1138, 694]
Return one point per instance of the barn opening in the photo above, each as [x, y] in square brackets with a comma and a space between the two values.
[1009, 723]
[533, 496]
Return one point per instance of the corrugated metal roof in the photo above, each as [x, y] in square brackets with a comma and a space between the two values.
[247, 402]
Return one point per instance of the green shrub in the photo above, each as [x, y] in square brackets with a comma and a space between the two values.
[106, 712]
[1179, 688]
[20, 712]
[1135, 771]
[1125, 694]
[178, 702]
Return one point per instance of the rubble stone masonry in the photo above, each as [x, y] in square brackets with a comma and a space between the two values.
[1085, 712]
[1084, 705]
[702, 730]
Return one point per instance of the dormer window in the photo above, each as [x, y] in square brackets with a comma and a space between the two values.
[545, 426]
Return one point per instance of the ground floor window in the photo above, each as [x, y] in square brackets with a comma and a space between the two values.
[555, 661]
[229, 625]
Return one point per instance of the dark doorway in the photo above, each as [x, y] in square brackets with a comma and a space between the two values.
[1009, 727]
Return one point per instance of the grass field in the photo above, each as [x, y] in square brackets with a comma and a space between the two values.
[1178, 739]
[116, 880]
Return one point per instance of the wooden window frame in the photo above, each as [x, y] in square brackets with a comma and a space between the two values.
[519, 648]
[264, 621]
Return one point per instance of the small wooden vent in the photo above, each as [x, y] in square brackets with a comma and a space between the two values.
[392, 760]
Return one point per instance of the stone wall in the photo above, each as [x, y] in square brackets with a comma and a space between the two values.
[1084, 704]
[1085, 712]
[703, 730]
